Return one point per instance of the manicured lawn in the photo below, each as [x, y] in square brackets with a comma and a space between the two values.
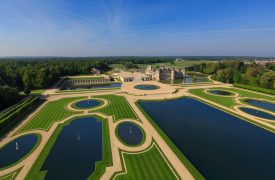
[37, 92]
[118, 107]
[229, 101]
[225, 101]
[53, 111]
[246, 93]
[147, 165]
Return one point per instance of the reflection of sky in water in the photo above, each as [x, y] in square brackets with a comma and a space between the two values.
[220, 146]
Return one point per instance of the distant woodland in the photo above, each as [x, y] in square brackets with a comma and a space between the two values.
[26, 74]
[237, 72]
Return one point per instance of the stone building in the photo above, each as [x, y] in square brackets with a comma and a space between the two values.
[87, 80]
[133, 76]
[95, 71]
[165, 73]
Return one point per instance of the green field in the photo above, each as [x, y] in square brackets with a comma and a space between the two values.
[222, 100]
[51, 112]
[118, 107]
[229, 101]
[146, 165]
[247, 93]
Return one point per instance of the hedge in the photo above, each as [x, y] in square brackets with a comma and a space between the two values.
[11, 109]
[254, 88]
[10, 116]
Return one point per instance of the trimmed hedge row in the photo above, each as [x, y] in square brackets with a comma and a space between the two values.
[10, 115]
[254, 88]
[11, 109]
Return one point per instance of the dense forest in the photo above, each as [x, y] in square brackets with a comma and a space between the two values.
[238, 72]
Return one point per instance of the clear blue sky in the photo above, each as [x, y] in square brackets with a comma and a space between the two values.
[137, 27]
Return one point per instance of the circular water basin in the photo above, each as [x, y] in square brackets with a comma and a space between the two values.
[257, 113]
[261, 104]
[130, 133]
[90, 103]
[146, 87]
[220, 92]
[17, 149]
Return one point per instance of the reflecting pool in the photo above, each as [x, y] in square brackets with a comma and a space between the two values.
[146, 87]
[220, 92]
[17, 149]
[186, 80]
[257, 113]
[90, 103]
[76, 150]
[261, 104]
[196, 80]
[129, 133]
[219, 145]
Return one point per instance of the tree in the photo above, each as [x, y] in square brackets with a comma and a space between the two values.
[220, 76]
[27, 90]
[236, 76]
[267, 80]
[8, 96]
[228, 75]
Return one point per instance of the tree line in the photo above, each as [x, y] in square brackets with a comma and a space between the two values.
[26, 74]
[238, 72]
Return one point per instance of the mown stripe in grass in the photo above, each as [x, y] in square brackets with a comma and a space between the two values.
[51, 112]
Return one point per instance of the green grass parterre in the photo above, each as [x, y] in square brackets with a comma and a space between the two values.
[229, 101]
[118, 107]
[51, 112]
[247, 93]
[222, 100]
[146, 165]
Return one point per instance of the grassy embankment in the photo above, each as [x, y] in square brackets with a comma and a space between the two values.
[13, 115]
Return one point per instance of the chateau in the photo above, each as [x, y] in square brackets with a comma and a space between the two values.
[164, 73]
